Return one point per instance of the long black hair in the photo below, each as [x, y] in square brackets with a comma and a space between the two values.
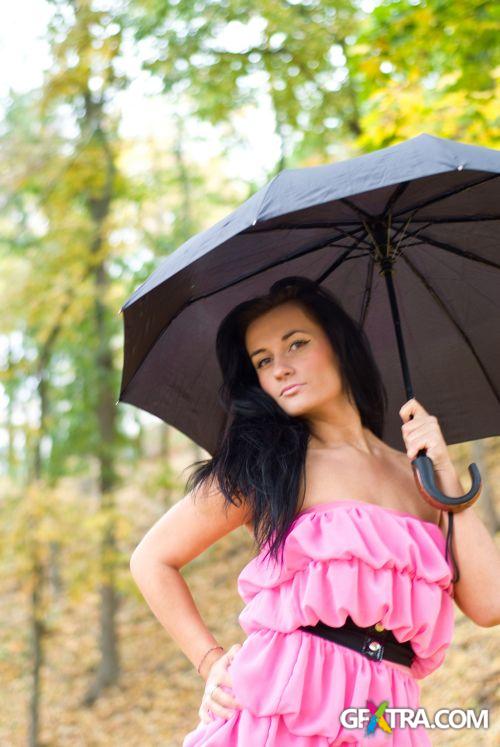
[260, 455]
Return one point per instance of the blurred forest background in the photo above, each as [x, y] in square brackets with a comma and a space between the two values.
[152, 120]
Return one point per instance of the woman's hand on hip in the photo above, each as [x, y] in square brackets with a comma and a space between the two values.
[215, 699]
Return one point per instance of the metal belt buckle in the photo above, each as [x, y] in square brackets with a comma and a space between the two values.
[372, 648]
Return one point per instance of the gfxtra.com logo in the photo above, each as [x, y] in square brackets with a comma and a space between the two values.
[390, 718]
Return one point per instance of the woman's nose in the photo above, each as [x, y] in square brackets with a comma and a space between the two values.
[282, 369]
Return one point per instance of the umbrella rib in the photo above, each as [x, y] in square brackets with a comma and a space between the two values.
[299, 226]
[465, 219]
[266, 190]
[448, 193]
[396, 194]
[346, 234]
[367, 291]
[356, 208]
[368, 283]
[457, 326]
[460, 252]
[337, 224]
[408, 234]
[361, 240]
[338, 261]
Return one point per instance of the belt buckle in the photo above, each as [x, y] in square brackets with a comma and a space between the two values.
[372, 648]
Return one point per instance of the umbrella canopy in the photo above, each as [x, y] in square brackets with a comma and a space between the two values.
[430, 206]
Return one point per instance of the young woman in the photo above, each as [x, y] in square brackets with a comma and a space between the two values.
[349, 600]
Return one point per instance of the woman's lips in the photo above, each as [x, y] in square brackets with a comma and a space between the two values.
[291, 390]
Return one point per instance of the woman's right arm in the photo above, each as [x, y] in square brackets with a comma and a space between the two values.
[179, 536]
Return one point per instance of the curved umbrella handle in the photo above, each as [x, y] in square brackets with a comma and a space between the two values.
[423, 471]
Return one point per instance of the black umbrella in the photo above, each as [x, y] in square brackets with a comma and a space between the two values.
[405, 237]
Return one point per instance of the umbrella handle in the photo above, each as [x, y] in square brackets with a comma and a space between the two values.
[423, 471]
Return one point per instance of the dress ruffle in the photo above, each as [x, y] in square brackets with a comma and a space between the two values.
[341, 558]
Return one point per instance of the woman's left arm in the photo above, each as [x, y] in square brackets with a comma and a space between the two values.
[477, 592]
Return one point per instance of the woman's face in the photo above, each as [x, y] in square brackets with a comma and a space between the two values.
[287, 346]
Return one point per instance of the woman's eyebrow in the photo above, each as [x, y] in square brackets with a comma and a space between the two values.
[285, 336]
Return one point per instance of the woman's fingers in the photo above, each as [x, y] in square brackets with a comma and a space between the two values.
[223, 703]
[220, 703]
[203, 715]
[226, 680]
[226, 699]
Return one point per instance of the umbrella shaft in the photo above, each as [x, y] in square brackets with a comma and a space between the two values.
[387, 272]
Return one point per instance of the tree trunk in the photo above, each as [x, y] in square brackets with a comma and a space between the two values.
[36, 627]
[36, 636]
[99, 207]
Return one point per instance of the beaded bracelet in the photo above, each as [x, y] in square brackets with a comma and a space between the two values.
[205, 655]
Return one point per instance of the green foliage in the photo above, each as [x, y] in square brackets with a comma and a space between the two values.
[226, 55]
[340, 80]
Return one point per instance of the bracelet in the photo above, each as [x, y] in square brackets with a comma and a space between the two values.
[205, 655]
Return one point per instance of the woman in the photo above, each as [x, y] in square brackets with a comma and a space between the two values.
[349, 600]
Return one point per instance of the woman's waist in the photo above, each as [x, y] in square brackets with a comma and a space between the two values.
[375, 642]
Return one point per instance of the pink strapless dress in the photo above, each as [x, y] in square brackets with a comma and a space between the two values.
[340, 558]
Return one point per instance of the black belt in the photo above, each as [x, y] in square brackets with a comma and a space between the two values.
[375, 642]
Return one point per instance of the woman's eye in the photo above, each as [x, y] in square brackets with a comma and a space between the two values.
[295, 342]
